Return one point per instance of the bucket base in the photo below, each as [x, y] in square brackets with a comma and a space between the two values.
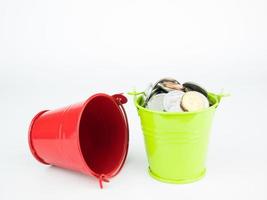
[177, 181]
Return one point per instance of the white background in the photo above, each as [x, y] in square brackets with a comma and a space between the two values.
[57, 52]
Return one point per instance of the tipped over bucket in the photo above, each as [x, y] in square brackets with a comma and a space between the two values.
[89, 137]
[176, 143]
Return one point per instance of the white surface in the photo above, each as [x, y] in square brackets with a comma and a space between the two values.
[54, 53]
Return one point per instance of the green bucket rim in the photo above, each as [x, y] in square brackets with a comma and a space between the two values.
[215, 98]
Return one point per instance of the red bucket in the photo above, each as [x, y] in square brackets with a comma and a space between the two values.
[90, 137]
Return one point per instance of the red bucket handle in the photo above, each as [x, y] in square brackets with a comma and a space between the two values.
[120, 100]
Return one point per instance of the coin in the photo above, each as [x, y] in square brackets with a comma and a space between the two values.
[167, 80]
[156, 90]
[172, 101]
[190, 86]
[156, 85]
[194, 101]
[149, 89]
[170, 86]
[156, 102]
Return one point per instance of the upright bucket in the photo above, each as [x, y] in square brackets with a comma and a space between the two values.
[90, 137]
[176, 143]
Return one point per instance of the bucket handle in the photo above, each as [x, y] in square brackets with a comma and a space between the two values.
[219, 96]
[120, 100]
[135, 94]
[102, 178]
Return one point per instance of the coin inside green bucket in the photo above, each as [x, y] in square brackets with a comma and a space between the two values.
[176, 142]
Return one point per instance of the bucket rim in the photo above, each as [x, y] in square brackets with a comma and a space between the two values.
[32, 149]
[214, 96]
[117, 169]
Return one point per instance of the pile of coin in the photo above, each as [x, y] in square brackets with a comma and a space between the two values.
[168, 95]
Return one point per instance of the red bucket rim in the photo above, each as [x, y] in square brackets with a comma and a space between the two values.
[30, 138]
[122, 161]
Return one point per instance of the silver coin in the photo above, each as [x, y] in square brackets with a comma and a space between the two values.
[156, 102]
[149, 89]
[157, 89]
[154, 92]
[172, 101]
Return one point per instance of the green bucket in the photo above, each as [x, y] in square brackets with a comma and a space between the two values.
[176, 143]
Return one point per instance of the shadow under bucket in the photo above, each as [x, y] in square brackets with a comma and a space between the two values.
[176, 143]
[90, 137]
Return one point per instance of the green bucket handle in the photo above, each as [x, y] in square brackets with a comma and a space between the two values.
[135, 94]
[219, 96]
